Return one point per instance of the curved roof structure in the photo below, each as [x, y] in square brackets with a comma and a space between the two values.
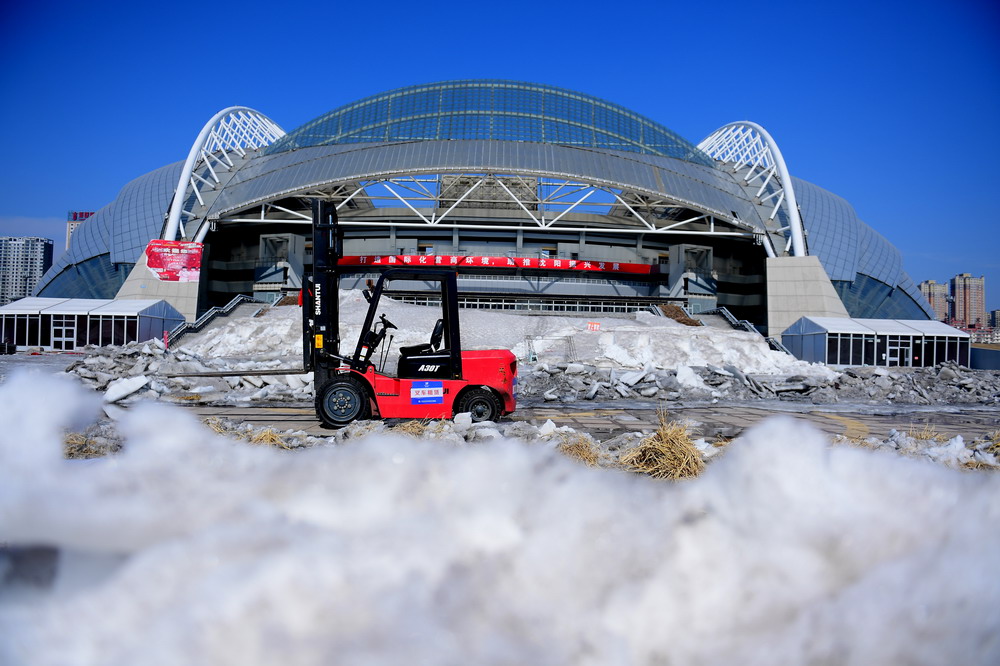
[115, 235]
[297, 172]
[491, 109]
[499, 156]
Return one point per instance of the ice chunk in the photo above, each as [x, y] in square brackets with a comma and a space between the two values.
[124, 387]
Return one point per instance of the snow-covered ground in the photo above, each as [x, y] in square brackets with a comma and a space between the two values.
[191, 548]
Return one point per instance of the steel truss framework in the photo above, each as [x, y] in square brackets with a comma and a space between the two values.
[498, 202]
[747, 146]
[227, 137]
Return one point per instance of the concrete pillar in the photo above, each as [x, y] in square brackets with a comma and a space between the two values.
[799, 287]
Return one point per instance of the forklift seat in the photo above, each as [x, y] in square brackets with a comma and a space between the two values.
[429, 347]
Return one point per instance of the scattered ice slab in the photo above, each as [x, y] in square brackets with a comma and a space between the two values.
[124, 387]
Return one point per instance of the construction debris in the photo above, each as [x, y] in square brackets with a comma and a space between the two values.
[140, 371]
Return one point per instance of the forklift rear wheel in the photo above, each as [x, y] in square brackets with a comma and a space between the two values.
[341, 401]
[481, 403]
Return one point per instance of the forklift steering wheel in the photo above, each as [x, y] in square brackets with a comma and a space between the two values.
[386, 324]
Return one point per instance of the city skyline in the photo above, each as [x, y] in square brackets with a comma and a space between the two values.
[23, 261]
[861, 88]
[961, 302]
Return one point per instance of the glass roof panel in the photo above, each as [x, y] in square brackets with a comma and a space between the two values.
[491, 109]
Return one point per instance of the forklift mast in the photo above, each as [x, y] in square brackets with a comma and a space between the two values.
[321, 305]
[321, 298]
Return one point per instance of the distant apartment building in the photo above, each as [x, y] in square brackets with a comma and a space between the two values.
[75, 218]
[23, 261]
[985, 336]
[968, 300]
[936, 294]
[995, 319]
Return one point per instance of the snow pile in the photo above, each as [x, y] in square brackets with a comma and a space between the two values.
[647, 346]
[191, 548]
[619, 342]
[645, 358]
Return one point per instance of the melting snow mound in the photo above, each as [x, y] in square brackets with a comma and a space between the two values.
[637, 342]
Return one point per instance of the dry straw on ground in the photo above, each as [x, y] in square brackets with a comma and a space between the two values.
[722, 442]
[268, 437]
[261, 436]
[216, 425]
[415, 428]
[668, 453]
[81, 445]
[926, 433]
[859, 441]
[579, 446]
[994, 443]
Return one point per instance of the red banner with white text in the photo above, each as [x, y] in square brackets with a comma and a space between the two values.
[458, 261]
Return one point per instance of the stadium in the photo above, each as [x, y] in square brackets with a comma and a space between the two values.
[541, 198]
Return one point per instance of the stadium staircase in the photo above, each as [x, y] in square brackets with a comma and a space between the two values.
[242, 305]
[723, 318]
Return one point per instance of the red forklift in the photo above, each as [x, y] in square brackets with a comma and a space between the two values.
[433, 380]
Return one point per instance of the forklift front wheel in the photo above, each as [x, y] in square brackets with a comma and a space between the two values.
[481, 403]
[342, 400]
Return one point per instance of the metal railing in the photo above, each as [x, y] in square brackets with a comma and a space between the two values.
[568, 306]
[571, 355]
[744, 325]
[738, 324]
[775, 344]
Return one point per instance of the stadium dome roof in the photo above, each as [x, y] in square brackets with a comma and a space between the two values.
[491, 109]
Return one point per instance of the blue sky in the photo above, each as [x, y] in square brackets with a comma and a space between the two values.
[891, 105]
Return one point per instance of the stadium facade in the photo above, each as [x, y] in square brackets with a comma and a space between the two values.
[539, 197]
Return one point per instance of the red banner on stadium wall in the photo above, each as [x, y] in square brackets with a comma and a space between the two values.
[174, 261]
[456, 261]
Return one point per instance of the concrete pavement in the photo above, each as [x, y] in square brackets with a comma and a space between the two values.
[714, 420]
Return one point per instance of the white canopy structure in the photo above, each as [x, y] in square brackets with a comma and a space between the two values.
[843, 341]
[64, 324]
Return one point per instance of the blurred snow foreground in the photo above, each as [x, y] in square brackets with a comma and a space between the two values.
[187, 547]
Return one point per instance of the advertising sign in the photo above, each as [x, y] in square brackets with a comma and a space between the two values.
[174, 261]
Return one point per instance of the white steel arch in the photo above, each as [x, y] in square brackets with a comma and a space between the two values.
[747, 144]
[236, 129]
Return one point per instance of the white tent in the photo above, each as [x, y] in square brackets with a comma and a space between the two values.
[64, 324]
[888, 342]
